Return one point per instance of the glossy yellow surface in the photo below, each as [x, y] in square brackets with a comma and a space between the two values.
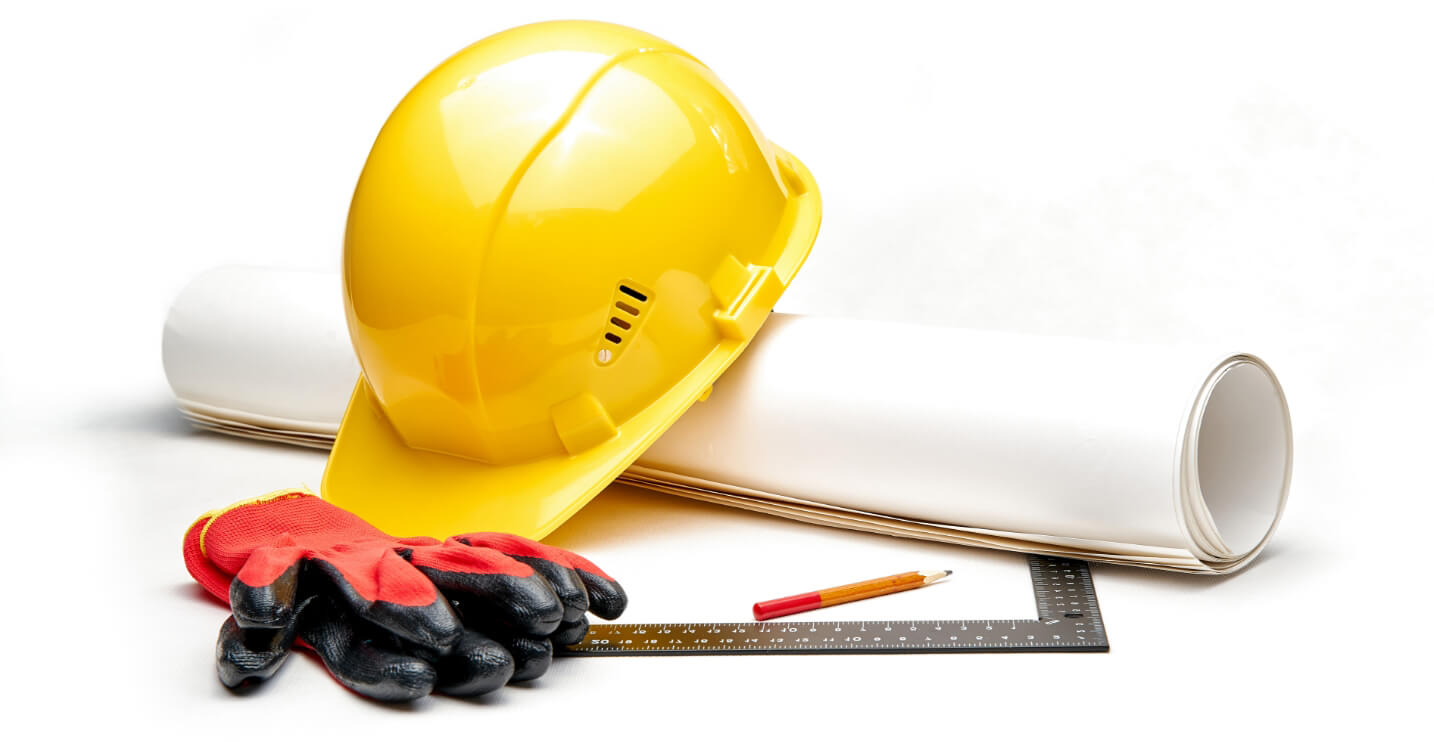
[562, 236]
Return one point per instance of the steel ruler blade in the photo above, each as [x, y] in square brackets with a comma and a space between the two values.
[1067, 620]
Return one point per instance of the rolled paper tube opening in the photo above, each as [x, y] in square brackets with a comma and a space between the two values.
[1242, 458]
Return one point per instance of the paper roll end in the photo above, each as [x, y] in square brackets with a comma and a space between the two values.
[1238, 463]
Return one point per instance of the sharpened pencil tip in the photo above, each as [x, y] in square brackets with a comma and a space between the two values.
[934, 575]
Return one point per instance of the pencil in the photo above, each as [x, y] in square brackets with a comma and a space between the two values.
[845, 594]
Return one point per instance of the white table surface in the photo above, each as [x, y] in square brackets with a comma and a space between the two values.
[1257, 175]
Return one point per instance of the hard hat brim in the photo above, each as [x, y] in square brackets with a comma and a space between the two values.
[411, 492]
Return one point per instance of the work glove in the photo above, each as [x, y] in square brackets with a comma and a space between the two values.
[391, 618]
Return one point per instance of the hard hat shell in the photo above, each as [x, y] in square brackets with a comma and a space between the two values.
[562, 236]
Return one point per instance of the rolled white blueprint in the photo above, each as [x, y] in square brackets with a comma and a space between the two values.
[1174, 458]
[261, 350]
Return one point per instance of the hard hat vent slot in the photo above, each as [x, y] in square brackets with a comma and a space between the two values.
[627, 304]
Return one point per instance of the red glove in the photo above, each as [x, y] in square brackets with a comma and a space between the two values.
[380, 611]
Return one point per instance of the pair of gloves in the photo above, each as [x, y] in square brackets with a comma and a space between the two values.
[392, 618]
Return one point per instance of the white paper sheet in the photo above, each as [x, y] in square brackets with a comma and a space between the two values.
[1165, 457]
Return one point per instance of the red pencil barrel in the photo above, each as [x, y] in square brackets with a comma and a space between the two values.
[786, 606]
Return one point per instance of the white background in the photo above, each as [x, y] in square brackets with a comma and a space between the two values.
[1256, 175]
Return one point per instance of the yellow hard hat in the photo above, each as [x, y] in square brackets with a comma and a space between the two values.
[563, 235]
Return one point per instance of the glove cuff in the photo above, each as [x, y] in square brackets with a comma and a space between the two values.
[211, 578]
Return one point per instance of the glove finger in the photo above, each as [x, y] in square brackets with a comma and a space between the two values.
[262, 594]
[506, 592]
[532, 656]
[246, 657]
[394, 596]
[570, 632]
[606, 597]
[565, 583]
[476, 665]
[362, 660]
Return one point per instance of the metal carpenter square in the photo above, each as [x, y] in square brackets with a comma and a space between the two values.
[1067, 620]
